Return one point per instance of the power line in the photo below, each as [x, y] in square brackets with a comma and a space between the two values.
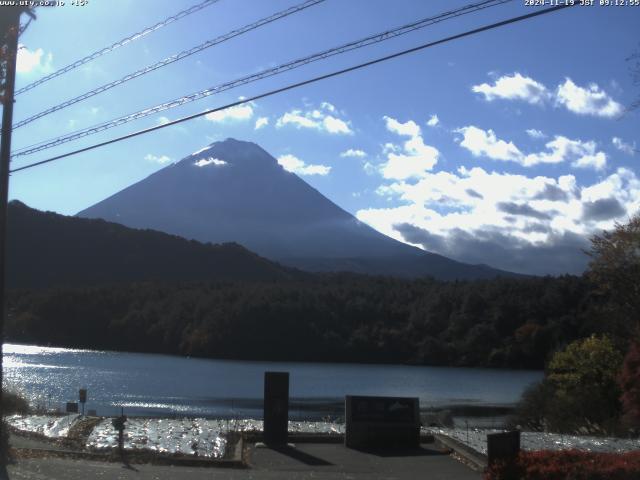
[258, 76]
[118, 44]
[169, 60]
[370, 40]
[300, 84]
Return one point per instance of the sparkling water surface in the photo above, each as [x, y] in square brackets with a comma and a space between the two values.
[164, 385]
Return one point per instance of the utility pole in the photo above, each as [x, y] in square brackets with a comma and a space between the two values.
[12, 23]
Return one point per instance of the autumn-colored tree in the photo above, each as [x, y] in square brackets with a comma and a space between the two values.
[580, 391]
[584, 378]
[615, 271]
[630, 386]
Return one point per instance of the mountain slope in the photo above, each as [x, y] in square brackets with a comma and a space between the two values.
[46, 249]
[235, 191]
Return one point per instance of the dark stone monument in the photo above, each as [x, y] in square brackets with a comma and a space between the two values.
[276, 407]
[382, 422]
[72, 407]
[503, 446]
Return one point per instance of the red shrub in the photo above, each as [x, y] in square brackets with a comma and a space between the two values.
[630, 385]
[568, 465]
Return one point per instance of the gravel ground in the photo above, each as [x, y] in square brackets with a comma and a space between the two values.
[193, 436]
[305, 462]
[477, 439]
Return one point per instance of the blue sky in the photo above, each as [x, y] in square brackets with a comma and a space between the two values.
[508, 148]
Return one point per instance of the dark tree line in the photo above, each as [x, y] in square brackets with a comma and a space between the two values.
[337, 317]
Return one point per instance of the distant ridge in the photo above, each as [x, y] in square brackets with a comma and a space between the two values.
[235, 191]
[46, 250]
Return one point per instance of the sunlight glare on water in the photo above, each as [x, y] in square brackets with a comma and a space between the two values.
[164, 385]
[15, 349]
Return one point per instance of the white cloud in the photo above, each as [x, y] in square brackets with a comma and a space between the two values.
[203, 162]
[317, 120]
[561, 149]
[433, 121]
[390, 147]
[297, 119]
[597, 161]
[335, 125]
[162, 120]
[581, 154]
[416, 157]
[533, 133]
[591, 100]
[237, 113]
[628, 148]
[261, 122]
[33, 61]
[353, 153]
[529, 224]
[587, 101]
[327, 106]
[409, 128]
[485, 143]
[514, 87]
[409, 166]
[293, 164]
[369, 168]
[162, 159]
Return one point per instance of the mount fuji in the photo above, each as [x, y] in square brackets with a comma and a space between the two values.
[234, 191]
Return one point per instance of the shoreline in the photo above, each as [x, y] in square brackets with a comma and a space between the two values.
[332, 413]
[218, 439]
[76, 349]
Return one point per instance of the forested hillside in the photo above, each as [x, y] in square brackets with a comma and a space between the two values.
[46, 249]
[345, 317]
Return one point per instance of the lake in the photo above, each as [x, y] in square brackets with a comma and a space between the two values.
[164, 385]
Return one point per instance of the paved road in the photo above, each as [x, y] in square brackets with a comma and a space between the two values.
[307, 461]
[21, 441]
[336, 461]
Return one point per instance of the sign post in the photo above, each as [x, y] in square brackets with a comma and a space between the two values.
[118, 425]
[83, 398]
